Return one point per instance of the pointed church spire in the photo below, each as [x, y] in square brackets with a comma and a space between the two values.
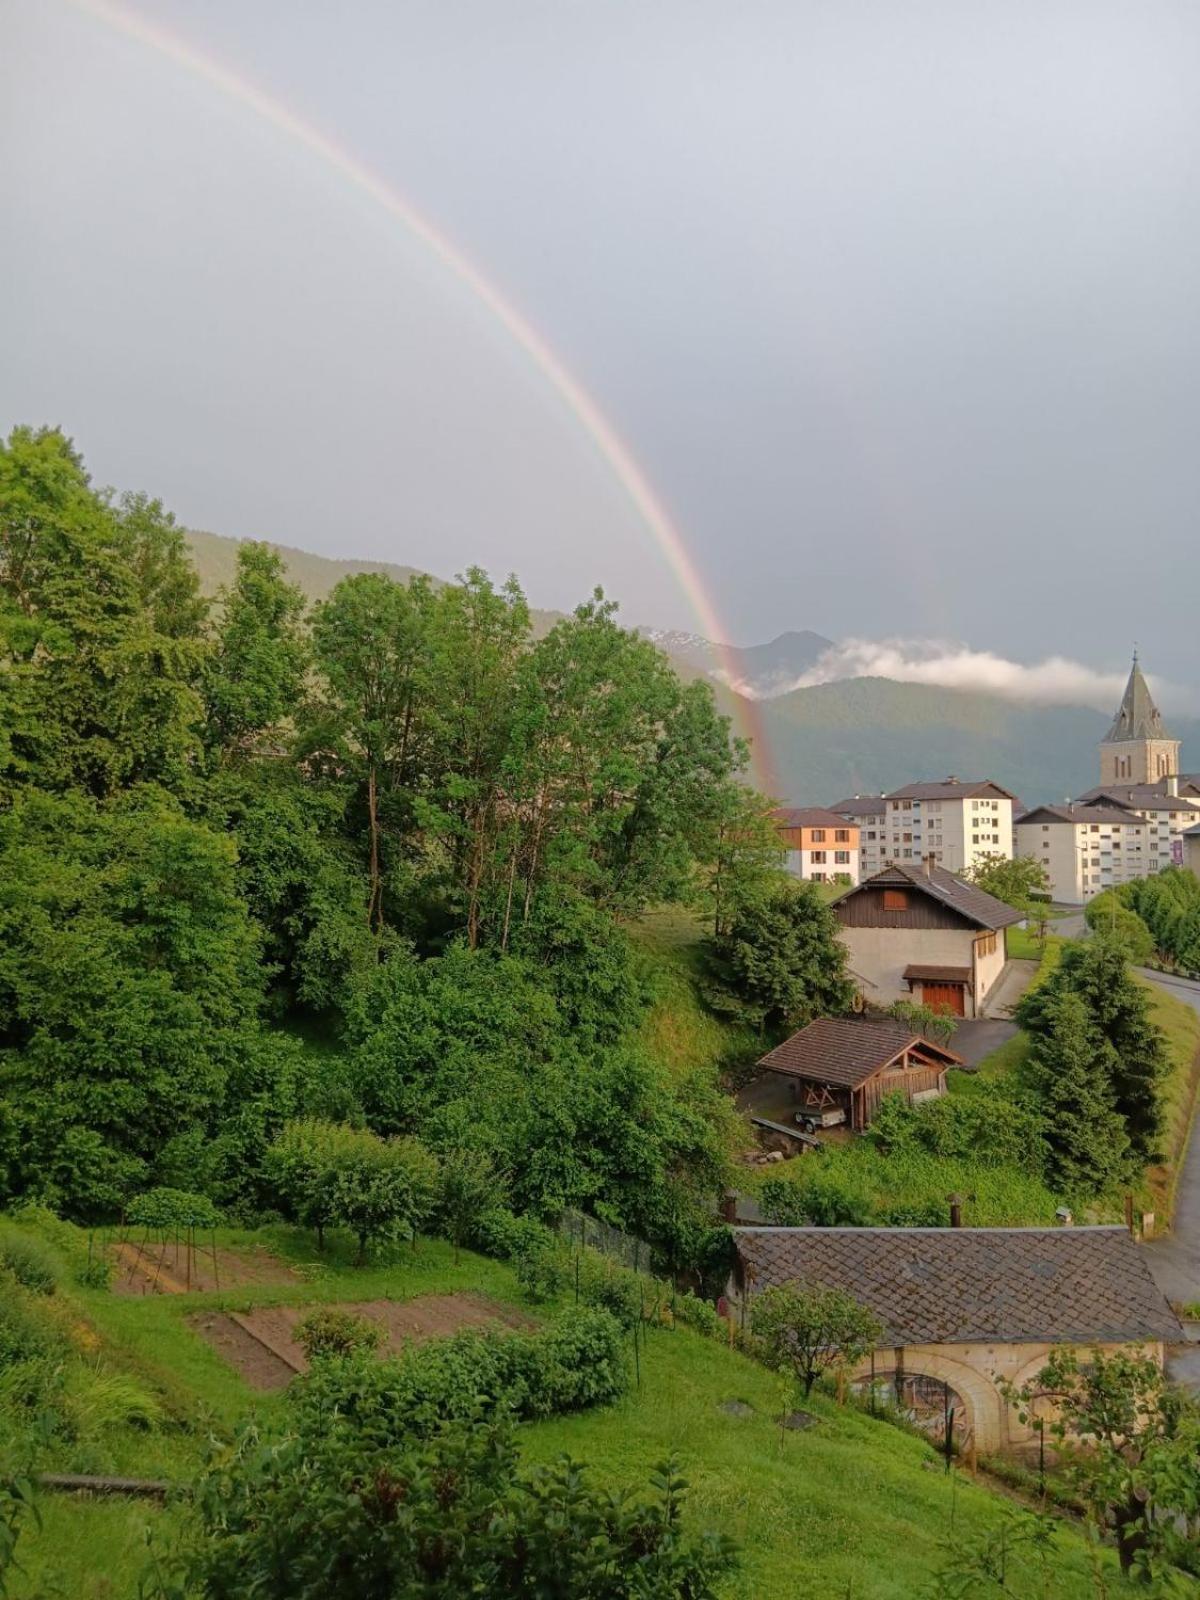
[1138, 716]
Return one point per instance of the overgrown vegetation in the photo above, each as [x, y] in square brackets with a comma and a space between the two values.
[1153, 918]
[401, 823]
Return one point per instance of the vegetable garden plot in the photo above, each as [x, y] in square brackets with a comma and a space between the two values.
[172, 1267]
[261, 1346]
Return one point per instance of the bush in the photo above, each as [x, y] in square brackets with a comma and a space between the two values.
[330, 1331]
[616, 1289]
[695, 1313]
[501, 1233]
[30, 1260]
[575, 1363]
[542, 1268]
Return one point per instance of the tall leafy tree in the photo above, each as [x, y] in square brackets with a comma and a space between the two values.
[373, 640]
[254, 677]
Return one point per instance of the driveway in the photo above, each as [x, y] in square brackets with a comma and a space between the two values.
[974, 1039]
[1175, 1258]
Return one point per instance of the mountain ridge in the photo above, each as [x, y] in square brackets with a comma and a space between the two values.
[849, 736]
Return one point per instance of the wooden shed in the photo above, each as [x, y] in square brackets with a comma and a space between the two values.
[852, 1062]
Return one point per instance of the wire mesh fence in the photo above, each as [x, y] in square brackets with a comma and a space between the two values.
[577, 1228]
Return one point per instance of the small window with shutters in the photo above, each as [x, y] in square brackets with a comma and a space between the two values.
[895, 900]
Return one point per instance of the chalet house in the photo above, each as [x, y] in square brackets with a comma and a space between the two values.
[964, 1307]
[921, 933]
[850, 1063]
[817, 845]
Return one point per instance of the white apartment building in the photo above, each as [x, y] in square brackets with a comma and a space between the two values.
[956, 823]
[1191, 850]
[868, 813]
[1086, 848]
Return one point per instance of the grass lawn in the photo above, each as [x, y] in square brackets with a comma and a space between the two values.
[678, 1030]
[849, 1506]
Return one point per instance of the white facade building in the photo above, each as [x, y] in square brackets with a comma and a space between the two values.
[868, 813]
[957, 824]
[1086, 848]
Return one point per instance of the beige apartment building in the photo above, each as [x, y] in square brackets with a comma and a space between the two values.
[1085, 849]
[957, 823]
[818, 846]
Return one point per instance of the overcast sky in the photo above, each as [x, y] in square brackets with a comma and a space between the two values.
[896, 303]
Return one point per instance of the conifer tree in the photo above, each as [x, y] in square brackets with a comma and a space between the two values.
[1072, 1068]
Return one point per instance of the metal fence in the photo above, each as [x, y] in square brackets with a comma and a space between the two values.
[580, 1229]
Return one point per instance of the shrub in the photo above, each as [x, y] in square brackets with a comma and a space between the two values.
[616, 1289]
[695, 1313]
[30, 1260]
[500, 1232]
[542, 1268]
[330, 1331]
[577, 1362]
[94, 1400]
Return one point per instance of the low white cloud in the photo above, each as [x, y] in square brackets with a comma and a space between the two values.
[949, 665]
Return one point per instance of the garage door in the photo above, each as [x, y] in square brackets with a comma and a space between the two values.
[949, 998]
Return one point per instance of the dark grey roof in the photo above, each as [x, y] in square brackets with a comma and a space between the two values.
[1112, 815]
[861, 805]
[807, 817]
[953, 1285]
[1137, 716]
[849, 1050]
[1145, 796]
[975, 904]
[952, 789]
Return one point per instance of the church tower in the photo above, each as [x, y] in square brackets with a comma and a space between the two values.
[1137, 748]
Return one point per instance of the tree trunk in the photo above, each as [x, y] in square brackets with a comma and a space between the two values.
[375, 913]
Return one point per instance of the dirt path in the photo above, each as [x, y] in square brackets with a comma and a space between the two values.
[154, 1268]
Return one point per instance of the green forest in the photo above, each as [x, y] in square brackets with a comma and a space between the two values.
[371, 863]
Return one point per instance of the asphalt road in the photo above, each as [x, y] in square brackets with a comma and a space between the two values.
[1175, 1258]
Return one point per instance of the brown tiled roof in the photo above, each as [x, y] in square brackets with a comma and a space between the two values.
[1111, 815]
[975, 904]
[952, 789]
[861, 805]
[807, 817]
[952, 1285]
[848, 1050]
[917, 974]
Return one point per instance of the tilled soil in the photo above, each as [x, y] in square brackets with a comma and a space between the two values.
[260, 1344]
[155, 1268]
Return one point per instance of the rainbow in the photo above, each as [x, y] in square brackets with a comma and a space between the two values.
[579, 402]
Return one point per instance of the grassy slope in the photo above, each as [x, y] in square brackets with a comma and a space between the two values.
[854, 1505]
[678, 1030]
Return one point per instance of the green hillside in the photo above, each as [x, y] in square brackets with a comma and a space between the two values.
[865, 735]
[849, 1505]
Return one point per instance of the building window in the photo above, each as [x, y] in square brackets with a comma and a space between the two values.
[841, 857]
[895, 900]
[986, 946]
[818, 877]
[841, 836]
[818, 835]
[818, 855]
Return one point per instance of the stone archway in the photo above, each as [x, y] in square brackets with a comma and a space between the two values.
[979, 1407]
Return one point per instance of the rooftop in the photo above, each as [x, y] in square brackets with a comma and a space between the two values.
[861, 805]
[1113, 816]
[1147, 796]
[849, 1050]
[953, 1285]
[807, 817]
[952, 789]
[975, 904]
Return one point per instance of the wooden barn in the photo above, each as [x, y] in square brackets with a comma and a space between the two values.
[850, 1063]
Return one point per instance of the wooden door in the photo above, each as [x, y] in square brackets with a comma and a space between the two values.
[949, 998]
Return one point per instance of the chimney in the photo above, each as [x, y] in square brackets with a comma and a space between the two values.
[1064, 1218]
[729, 1202]
[928, 863]
[1173, 784]
[956, 1205]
